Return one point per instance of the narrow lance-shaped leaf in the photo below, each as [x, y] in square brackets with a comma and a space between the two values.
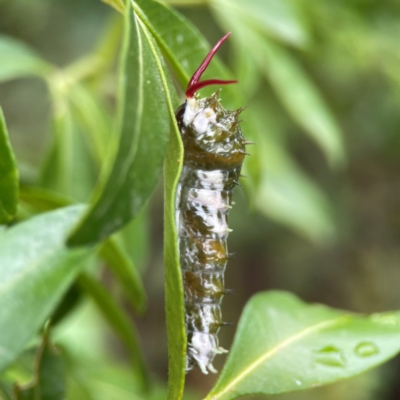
[298, 94]
[42, 200]
[303, 100]
[127, 274]
[144, 134]
[93, 118]
[36, 270]
[282, 191]
[283, 344]
[184, 47]
[8, 175]
[18, 60]
[280, 19]
[69, 168]
[173, 278]
[288, 196]
[135, 239]
[112, 251]
[246, 72]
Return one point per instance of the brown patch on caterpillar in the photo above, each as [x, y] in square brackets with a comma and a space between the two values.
[214, 150]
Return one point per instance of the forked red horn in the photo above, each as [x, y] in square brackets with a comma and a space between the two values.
[194, 84]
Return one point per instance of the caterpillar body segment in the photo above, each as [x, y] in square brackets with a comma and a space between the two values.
[214, 150]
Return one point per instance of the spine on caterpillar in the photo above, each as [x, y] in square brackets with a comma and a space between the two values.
[214, 149]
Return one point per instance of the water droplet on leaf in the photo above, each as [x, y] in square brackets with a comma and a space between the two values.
[330, 356]
[366, 349]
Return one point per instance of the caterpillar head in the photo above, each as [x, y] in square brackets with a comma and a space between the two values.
[211, 134]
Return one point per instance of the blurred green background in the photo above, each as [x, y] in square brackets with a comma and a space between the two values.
[319, 215]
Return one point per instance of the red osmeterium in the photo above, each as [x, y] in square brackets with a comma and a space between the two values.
[194, 85]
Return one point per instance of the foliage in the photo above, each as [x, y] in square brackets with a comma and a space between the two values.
[109, 144]
[9, 176]
[49, 380]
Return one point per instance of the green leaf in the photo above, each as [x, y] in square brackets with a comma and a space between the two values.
[185, 3]
[287, 195]
[69, 167]
[283, 344]
[8, 175]
[282, 191]
[246, 71]
[173, 276]
[18, 60]
[70, 301]
[112, 251]
[119, 5]
[94, 119]
[49, 382]
[184, 47]
[297, 92]
[128, 276]
[123, 327]
[42, 200]
[303, 100]
[135, 239]
[36, 270]
[279, 18]
[144, 135]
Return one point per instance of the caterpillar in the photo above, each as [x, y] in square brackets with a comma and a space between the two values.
[214, 150]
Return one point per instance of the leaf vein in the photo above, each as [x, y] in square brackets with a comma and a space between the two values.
[285, 343]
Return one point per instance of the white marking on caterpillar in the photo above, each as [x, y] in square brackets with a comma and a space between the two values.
[213, 156]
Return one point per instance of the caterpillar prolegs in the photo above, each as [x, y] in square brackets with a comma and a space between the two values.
[214, 149]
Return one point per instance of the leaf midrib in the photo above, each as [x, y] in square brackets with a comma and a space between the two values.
[180, 72]
[285, 343]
